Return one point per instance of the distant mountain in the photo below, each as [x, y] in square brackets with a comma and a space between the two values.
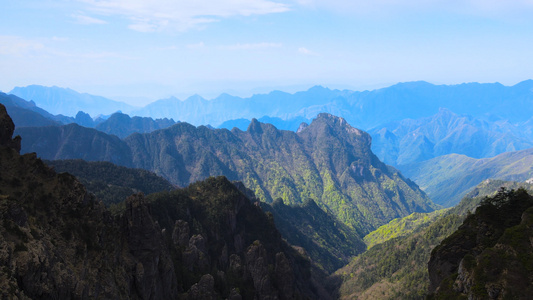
[328, 161]
[411, 140]
[290, 124]
[27, 114]
[448, 178]
[366, 110]
[68, 102]
[123, 125]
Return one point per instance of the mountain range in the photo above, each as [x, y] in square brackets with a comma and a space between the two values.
[320, 184]
[68, 102]
[490, 101]
[208, 241]
[416, 140]
[448, 178]
[328, 161]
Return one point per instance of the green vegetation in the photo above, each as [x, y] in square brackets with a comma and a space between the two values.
[395, 267]
[490, 255]
[401, 227]
[328, 161]
[329, 243]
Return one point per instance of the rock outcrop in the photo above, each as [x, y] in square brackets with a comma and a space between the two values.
[7, 127]
[59, 242]
[490, 256]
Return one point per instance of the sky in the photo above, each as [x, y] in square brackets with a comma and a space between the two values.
[138, 51]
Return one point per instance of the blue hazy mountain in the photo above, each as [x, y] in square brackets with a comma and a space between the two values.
[410, 140]
[446, 179]
[362, 109]
[27, 113]
[366, 109]
[68, 102]
[123, 125]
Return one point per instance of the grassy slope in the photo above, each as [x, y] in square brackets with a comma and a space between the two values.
[448, 178]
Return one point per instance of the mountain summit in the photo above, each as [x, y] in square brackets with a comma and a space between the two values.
[328, 161]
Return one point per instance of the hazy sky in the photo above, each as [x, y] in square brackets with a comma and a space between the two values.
[158, 48]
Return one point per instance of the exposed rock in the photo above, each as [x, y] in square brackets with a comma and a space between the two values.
[154, 272]
[196, 257]
[180, 234]
[203, 290]
[490, 256]
[7, 127]
[257, 266]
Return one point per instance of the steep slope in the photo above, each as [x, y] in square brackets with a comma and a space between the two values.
[123, 125]
[204, 242]
[444, 133]
[397, 268]
[447, 178]
[111, 183]
[328, 161]
[329, 243]
[68, 102]
[490, 256]
[74, 142]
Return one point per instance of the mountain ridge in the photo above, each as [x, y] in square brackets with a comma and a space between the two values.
[328, 161]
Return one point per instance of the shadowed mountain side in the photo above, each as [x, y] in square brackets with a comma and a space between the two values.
[111, 183]
[490, 256]
[74, 142]
[329, 243]
[448, 178]
[208, 241]
[328, 161]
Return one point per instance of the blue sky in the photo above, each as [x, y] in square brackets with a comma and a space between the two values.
[138, 50]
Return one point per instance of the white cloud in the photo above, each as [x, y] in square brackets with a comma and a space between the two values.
[486, 8]
[306, 51]
[86, 20]
[13, 45]
[180, 14]
[254, 46]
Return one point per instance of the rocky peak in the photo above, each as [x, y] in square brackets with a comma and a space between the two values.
[255, 127]
[7, 127]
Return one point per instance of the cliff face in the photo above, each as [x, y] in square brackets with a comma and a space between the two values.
[204, 242]
[490, 256]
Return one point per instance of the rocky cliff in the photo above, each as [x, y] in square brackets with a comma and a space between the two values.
[204, 242]
[490, 256]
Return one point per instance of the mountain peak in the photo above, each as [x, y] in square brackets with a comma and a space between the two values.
[337, 122]
[254, 127]
[7, 127]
